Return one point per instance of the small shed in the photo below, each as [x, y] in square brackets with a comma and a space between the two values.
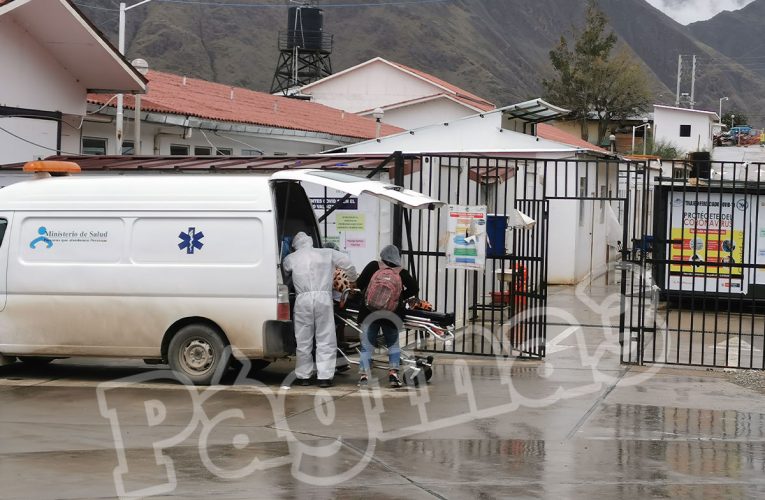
[689, 130]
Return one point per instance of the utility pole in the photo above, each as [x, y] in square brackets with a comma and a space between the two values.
[693, 83]
[679, 78]
[681, 97]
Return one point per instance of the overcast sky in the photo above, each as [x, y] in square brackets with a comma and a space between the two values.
[688, 11]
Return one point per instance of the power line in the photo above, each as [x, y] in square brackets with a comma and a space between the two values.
[208, 3]
[96, 7]
[58, 151]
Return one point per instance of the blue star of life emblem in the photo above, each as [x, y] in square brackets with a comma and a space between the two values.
[190, 240]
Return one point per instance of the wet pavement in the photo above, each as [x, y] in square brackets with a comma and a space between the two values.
[576, 425]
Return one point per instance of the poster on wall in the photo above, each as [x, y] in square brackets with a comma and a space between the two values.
[353, 226]
[707, 232]
[758, 222]
[466, 237]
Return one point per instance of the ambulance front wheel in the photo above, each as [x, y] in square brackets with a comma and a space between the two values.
[199, 353]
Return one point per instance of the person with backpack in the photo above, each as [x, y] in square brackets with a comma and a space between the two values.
[386, 287]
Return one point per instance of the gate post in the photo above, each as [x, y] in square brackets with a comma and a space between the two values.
[398, 211]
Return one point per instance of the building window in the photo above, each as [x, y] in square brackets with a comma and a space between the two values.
[251, 152]
[224, 151]
[93, 146]
[179, 150]
[128, 148]
[202, 151]
[685, 130]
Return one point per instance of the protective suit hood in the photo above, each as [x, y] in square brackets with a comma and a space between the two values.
[301, 240]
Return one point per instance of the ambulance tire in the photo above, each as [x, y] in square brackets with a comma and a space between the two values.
[198, 353]
[256, 366]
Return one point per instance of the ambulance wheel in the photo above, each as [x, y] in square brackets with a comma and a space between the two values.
[35, 360]
[198, 353]
[256, 365]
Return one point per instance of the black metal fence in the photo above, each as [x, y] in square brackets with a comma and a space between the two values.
[502, 310]
[697, 287]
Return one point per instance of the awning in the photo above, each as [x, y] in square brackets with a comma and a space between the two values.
[64, 32]
[534, 111]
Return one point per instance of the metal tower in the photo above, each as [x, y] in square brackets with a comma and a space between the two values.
[304, 50]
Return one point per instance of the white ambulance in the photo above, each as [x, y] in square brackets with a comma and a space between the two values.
[170, 268]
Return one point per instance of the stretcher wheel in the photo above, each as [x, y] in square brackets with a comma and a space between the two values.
[422, 377]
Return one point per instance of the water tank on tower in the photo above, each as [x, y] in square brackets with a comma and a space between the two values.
[304, 50]
[305, 25]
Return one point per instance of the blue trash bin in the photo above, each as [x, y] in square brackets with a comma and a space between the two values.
[496, 228]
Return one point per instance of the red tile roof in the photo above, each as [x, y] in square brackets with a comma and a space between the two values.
[462, 95]
[167, 93]
[549, 132]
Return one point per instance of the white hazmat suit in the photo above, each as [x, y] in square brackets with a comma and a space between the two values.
[312, 270]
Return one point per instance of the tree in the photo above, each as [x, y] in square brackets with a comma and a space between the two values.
[590, 81]
[735, 116]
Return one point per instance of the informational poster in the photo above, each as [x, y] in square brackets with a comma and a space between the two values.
[466, 237]
[353, 226]
[707, 232]
[758, 218]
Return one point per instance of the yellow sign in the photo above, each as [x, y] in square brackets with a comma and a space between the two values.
[350, 222]
[697, 247]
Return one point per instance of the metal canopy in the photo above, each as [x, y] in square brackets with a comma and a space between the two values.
[534, 111]
[113, 163]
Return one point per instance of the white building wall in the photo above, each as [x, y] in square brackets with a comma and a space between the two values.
[426, 113]
[39, 139]
[375, 85]
[38, 80]
[71, 130]
[667, 124]
[157, 139]
[578, 244]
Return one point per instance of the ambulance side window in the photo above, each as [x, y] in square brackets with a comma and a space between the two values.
[3, 226]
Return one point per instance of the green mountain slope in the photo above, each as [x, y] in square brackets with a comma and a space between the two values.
[494, 48]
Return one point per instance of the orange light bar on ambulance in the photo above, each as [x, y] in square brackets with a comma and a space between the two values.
[52, 167]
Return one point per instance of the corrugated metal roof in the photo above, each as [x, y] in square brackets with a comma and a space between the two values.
[534, 111]
[209, 163]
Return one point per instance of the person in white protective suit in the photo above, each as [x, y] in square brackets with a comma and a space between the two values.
[312, 270]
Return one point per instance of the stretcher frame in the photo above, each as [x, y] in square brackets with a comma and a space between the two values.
[414, 369]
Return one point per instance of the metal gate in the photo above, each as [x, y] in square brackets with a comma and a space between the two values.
[486, 304]
[529, 284]
[697, 280]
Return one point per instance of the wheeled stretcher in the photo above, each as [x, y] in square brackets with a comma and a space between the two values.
[424, 325]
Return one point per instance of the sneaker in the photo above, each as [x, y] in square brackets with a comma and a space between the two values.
[302, 382]
[325, 383]
[364, 382]
[395, 382]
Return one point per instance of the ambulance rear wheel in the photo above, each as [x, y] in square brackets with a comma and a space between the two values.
[198, 352]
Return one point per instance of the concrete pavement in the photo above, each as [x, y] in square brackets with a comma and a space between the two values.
[576, 425]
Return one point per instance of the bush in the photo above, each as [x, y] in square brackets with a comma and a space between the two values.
[666, 151]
